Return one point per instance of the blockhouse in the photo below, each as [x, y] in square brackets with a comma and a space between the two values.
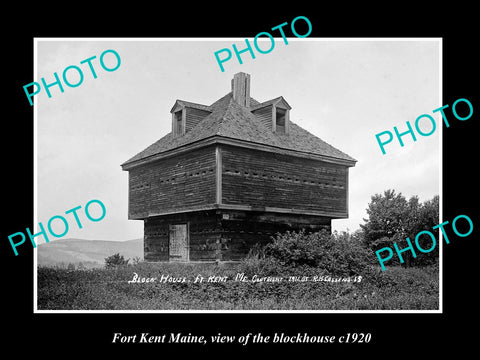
[230, 175]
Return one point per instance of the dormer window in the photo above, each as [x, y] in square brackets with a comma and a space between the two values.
[273, 114]
[280, 115]
[280, 118]
[186, 115]
[178, 122]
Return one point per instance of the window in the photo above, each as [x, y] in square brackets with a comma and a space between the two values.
[280, 115]
[178, 123]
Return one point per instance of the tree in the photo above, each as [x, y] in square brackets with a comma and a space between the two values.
[386, 218]
[428, 217]
[392, 219]
[115, 260]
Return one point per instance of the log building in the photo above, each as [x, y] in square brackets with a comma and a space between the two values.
[232, 174]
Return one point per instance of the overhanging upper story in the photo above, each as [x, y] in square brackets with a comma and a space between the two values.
[225, 176]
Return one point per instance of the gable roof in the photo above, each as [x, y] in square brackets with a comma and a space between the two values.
[190, 104]
[230, 120]
[277, 100]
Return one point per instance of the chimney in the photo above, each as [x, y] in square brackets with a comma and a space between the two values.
[241, 88]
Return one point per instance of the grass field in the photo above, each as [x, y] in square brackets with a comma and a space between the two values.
[109, 289]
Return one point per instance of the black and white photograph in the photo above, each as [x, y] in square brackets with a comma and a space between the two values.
[261, 187]
[289, 181]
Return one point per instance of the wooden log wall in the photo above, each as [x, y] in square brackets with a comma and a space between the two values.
[204, 235]
[223, 235]
[257, 178]
[172, 184]
[244, 229]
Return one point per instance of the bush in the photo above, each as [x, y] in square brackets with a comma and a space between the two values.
[338, 255]
[115, 260]
[297, 248]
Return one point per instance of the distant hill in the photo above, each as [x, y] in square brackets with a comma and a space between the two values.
[91, 253]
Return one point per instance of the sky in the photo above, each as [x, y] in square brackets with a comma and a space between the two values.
[345, 91]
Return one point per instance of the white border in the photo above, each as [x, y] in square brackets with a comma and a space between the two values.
[440, 177]
[35, 188]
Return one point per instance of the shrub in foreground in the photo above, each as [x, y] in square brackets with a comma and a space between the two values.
[336, 255]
